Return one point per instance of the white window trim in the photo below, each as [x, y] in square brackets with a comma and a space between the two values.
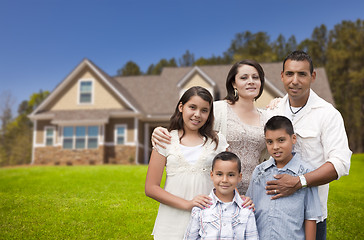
[92, 91]
[45, 135]
[74, 137]
[116, 134]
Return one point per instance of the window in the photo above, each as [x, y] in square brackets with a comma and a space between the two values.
[80, 137]
[85, 91]
[68, 137]
[92, 133]
[49, 136]
[120, 134]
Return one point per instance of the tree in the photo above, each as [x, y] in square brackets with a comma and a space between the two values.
[251, 46]
[157, 69]
[187, 59]
[345, 61]
[16, 142]
[7, 102]
[129, 69]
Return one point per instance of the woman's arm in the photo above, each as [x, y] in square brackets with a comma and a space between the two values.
[153, 189]
[160, 135]
[310, 229]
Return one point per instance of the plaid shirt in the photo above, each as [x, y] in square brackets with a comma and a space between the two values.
[222, 221]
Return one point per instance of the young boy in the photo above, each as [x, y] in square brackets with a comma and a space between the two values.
[225, 218]
[292, 217]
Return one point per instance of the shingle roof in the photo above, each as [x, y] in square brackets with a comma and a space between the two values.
[157, 95]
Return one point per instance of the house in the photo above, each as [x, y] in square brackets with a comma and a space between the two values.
[93, 118]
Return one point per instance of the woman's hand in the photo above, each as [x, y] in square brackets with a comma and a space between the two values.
[248, 202]
[273, 103]
[160, 135]
[201, 201]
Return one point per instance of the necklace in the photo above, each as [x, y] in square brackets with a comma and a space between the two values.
[297, 110]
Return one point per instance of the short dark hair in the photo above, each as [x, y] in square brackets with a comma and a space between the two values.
[299, 55]
[231, 79]
[227, 156]
[279, 122]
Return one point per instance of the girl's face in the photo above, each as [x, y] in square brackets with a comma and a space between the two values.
[247, 82]
[195, 113]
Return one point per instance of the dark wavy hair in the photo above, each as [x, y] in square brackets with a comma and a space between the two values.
[176, 121]
[231, 79]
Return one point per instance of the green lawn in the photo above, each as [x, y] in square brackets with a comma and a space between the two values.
[108, 202]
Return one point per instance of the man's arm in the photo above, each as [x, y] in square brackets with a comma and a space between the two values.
[286, 185]
[337, 163]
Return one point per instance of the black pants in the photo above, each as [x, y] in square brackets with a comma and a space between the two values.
[321, 230]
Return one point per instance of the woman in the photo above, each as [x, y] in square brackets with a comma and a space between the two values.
[238, 119]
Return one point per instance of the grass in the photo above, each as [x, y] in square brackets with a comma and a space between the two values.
[108, 202]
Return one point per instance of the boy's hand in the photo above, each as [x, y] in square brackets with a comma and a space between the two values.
[160, 135]
[284, 186]
[201, 201]
[248, 202]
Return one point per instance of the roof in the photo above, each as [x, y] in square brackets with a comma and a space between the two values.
[155, 96]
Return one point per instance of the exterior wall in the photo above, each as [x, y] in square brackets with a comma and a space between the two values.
[102, 97]
[59, 156]
[110, 128]
[120, 154]
[264, 99]
[197, 80]
[41, 124]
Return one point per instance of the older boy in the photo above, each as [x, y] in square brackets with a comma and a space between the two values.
[292, 217]
[225, 218]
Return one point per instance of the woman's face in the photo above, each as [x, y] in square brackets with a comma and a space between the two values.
[247, 82]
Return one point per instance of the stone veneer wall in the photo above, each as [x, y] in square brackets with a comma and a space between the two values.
[120, 154]
[60, 156]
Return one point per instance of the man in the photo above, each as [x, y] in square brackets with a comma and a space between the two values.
[321, 136]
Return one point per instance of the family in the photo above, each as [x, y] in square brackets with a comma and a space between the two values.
[237, 172]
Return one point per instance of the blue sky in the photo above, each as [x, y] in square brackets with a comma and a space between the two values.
[42, 41]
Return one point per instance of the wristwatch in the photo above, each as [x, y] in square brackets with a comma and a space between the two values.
[303, 181]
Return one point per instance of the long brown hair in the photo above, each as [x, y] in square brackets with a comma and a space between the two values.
[176, 121]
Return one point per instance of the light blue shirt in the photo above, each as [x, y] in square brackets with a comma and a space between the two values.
[222, 221]
[283, 218]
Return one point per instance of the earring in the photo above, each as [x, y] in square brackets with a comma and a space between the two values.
[236, 93]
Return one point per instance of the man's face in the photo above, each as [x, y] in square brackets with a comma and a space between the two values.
[297, 80]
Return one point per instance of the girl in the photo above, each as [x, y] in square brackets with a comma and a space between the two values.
[188, 160]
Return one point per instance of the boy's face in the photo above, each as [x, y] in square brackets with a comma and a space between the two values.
[225, 177]
[279, 144]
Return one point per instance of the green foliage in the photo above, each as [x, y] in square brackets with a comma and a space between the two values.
[187, 59]
[108, 202]
[129, 69]
[16, 137]
[157, 69]
[255, 46]
[345, 61]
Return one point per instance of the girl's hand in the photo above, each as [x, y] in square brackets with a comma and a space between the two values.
[160, 135]
[201, 201]
[248, 202]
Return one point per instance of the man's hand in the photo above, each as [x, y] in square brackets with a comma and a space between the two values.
[284, 186]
